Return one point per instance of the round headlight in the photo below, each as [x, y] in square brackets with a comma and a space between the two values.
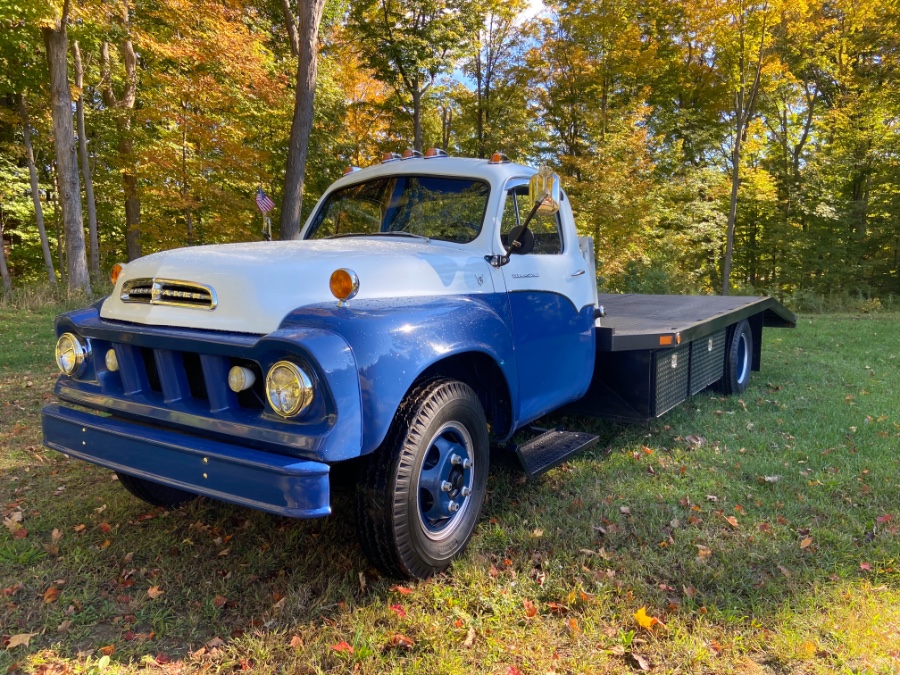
[71, 353]
[288, 388]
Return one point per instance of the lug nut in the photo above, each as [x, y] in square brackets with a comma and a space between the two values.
[454, 507]
[465, 492]
[467, 464]
[455, 460]
[446, 486]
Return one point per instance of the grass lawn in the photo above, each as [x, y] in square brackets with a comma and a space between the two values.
[763, 532]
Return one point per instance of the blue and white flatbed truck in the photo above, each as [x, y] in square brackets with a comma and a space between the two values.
[431, 307]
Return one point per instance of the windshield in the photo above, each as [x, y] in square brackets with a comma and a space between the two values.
[448, 209]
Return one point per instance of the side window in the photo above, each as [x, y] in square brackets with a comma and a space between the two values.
[547, 237]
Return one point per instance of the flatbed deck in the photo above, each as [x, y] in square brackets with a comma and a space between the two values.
[660, 321]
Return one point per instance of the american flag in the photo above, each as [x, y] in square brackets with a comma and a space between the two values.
[263, 203]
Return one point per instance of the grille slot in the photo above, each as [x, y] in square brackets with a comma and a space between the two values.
[169, 292]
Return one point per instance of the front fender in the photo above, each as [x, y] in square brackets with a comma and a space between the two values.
[394, 340]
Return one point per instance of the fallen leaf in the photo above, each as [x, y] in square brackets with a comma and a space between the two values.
[625, 511]
[218, 601]
[51, 594]
[689, 591]
[402, 590]
[530, 609]
[771, 479]
[80, 528]
[64, 626]
[573, 627]
[537, 534]
[806, 542]
[296, 642]
[399, 611]
[638, 661]
[886, 518]
[162, 658]
[55, 536]
[809, 649]
[557, 608]
[20, 640]
[644, 620]
[470, 639]
[219, 642]
[866, 567]
[342, 646]
[785, 571]
[400, 641]
[154, 592]
[695, 441]
[108, 650]
[703, 551]
[105, 528]
[512, 670]
[731, 520]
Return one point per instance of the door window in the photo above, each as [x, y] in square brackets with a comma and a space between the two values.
[546, 229]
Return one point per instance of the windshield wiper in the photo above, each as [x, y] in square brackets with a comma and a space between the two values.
[389, 233]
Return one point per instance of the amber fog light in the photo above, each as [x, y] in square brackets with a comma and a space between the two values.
[71, 353]
[112, 362]
[344, 284]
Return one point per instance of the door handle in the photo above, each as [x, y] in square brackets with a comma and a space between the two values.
[578, 273]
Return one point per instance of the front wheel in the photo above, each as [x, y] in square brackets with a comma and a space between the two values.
[419, 495]
[738, 359]
[156, 494]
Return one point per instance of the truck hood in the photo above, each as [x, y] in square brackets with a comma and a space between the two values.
[255, 285]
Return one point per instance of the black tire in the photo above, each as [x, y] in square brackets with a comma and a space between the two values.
[738, 359]
[405, 517]
[154, 493]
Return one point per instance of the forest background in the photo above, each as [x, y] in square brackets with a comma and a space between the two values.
[673, 124]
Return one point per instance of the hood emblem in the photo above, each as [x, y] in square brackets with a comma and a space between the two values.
[169, 292]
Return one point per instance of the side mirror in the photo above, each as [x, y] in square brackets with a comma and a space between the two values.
[544, 188]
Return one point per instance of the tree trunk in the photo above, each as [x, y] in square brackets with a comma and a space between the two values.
[4, 271]
[85, 163]
[418, 142]
[301, 126]
[126, 142]
[732, 210]
[56, 41]
[36, 191]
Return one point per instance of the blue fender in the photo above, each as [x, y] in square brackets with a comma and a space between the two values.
[394, 340]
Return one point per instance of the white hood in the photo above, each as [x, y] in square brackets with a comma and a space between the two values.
[257, 284]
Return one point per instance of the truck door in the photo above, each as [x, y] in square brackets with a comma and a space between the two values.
[551, 298]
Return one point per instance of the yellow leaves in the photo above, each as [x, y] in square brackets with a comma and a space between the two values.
[646, 621]
[806, 542]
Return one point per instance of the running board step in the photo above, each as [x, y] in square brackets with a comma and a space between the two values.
[551, 449]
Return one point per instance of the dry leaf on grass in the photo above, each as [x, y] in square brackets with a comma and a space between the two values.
[20, 640]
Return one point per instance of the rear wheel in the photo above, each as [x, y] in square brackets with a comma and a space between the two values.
[154, 493]
[420, 494]
[738, 359]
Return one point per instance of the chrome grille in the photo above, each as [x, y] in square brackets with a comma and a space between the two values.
[169, 292]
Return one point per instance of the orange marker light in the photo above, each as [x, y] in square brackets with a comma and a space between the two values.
[115, 271]
[344, 284]
[498, 158]
[665, 339]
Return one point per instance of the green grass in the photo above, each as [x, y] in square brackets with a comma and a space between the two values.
[807, 582]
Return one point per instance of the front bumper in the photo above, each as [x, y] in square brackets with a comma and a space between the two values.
[260, 480]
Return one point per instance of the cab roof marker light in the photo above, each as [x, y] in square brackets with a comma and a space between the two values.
[499, 158]
[431, 153]
[409, 153]
[389, 157]
[351, 169]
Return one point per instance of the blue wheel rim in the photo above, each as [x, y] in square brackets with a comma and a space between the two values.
[446, 477]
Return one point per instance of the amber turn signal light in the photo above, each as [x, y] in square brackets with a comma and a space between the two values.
[344, 284]
[115, 271]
